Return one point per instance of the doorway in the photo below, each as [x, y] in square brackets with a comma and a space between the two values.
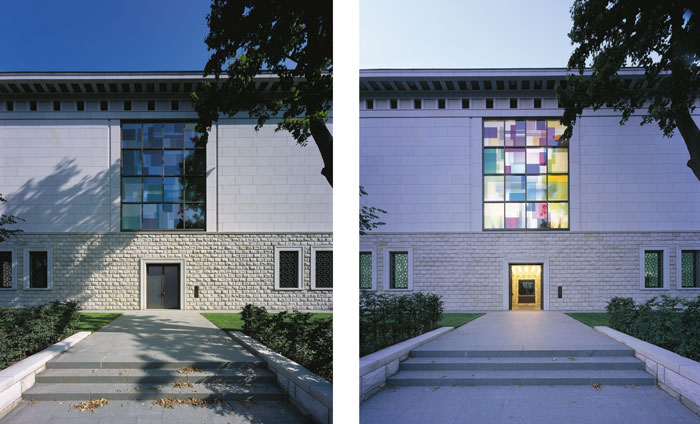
[163, 286]
[526, 286]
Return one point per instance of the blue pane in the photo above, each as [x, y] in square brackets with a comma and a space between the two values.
[152, 217]
[194, 216]
[515, 188]
[191, 136]
[172, 217]
[153, 189]
[131, 136]
[131, 162]
[172, 189]
[153, 162]
[131, 217]
[152, 136]
[173, 135]
[131, 189]
[173, 161]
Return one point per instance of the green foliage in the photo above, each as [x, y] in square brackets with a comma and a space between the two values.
[389, 319]
[292, 39]
[671, 323]
[369, 216]
[297, 336]
[8, 220]
[25, 331]
[660, 37]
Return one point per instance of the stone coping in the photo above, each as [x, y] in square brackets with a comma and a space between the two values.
[382, 357]
[319, 389]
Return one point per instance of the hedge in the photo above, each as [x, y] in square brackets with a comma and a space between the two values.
[294, 335]
[389, 319]
[27, 330]
[671, 323]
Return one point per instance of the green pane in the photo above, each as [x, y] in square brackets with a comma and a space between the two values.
[399, 270]
[689, 268]
[653, 272]
[558, 215]
[365, 270]
[558, 160]
[558, 187]
[493, 216]
[131, 189]
[493, 161]
[493, 188]
[131, 217]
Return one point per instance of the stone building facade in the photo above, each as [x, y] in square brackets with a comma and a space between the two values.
[125, 209]
[490, 208]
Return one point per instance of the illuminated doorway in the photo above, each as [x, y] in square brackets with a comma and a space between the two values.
[526, 286]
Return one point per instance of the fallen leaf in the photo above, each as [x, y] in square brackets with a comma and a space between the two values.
[181, 384]
[571, 359]
[188, 370]
[122, 372]
[633, 386]
[554, 359]
[596, 386]
[90, 405]
[436, 388]
[170, 402]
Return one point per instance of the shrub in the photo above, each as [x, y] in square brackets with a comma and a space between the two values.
[671, 323]
[25, 331]
[296, 336]
[389, 319]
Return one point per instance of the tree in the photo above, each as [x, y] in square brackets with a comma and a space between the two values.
[7, 220]
[663, 38]
[368, 216]
[292, 39]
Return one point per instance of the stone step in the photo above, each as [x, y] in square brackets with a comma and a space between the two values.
[59, 363]
[110, 391]
[523, 363]
[576, 353]
[522, 378]
[154, 375]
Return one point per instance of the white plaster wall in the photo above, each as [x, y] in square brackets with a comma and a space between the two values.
[424, 167]
[269, 183]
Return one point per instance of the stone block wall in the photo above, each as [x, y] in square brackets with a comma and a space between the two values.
[102, 270]
[467, 269]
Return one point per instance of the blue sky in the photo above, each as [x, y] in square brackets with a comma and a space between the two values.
[103, 35]
[464, 33]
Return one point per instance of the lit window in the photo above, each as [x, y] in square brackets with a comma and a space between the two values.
[526, 181]
[690, 268]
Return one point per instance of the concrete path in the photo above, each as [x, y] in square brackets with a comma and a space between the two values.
[160, 341]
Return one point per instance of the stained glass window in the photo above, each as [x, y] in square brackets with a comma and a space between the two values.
[526, 181]
[289, 269]
[690, 268]
[653, 269]
[365, 270]
[324, 269]
[398, 268]
[5, 270]
[163, 177]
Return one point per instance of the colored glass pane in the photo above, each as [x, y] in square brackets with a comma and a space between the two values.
[493, 161]
[653, 269]
[515, 161]
[558, 215]
[493, 133]
[173, 161]
[173, 137]
[365, 270]
[515, 215]
[131, 136]
[153, 189]
[153, 162]
[558, 187]
[536, 160]
[536, 187]
[536, 133]
[131, 217]
[131, 189]
[194, 216]
[557, 160]
[493, 216]
[152, 136]
[493, 188]
[172, 189]
[195, 161]
[554, 134]
[536, 215]
[191, 136]
[131, 162]
[172, 216]
[515, 188]
[399, 270]
[515, 133]
[152, 217]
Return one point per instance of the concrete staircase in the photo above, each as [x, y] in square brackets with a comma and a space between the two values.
[521, 367]
[78, 381]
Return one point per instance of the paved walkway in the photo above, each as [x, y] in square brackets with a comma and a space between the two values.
[155, 336]
[524, 330]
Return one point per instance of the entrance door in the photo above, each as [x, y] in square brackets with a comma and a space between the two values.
[163, 289]
[526, 286]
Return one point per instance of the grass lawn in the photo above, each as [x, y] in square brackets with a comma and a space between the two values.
[233, 322]
[93, 321]
[457, 319]
[592, 319]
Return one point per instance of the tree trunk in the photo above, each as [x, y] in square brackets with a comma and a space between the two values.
[324, 141]
[691, 135]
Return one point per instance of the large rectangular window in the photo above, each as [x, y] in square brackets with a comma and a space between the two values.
[690, 268]
[526, 175]
[163, 177]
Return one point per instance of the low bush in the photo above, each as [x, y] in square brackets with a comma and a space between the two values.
[389, 319]
[27, 330]
[296, 335]
[670, 322]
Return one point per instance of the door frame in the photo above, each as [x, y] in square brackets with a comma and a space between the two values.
[520, 260]
[144, 280]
